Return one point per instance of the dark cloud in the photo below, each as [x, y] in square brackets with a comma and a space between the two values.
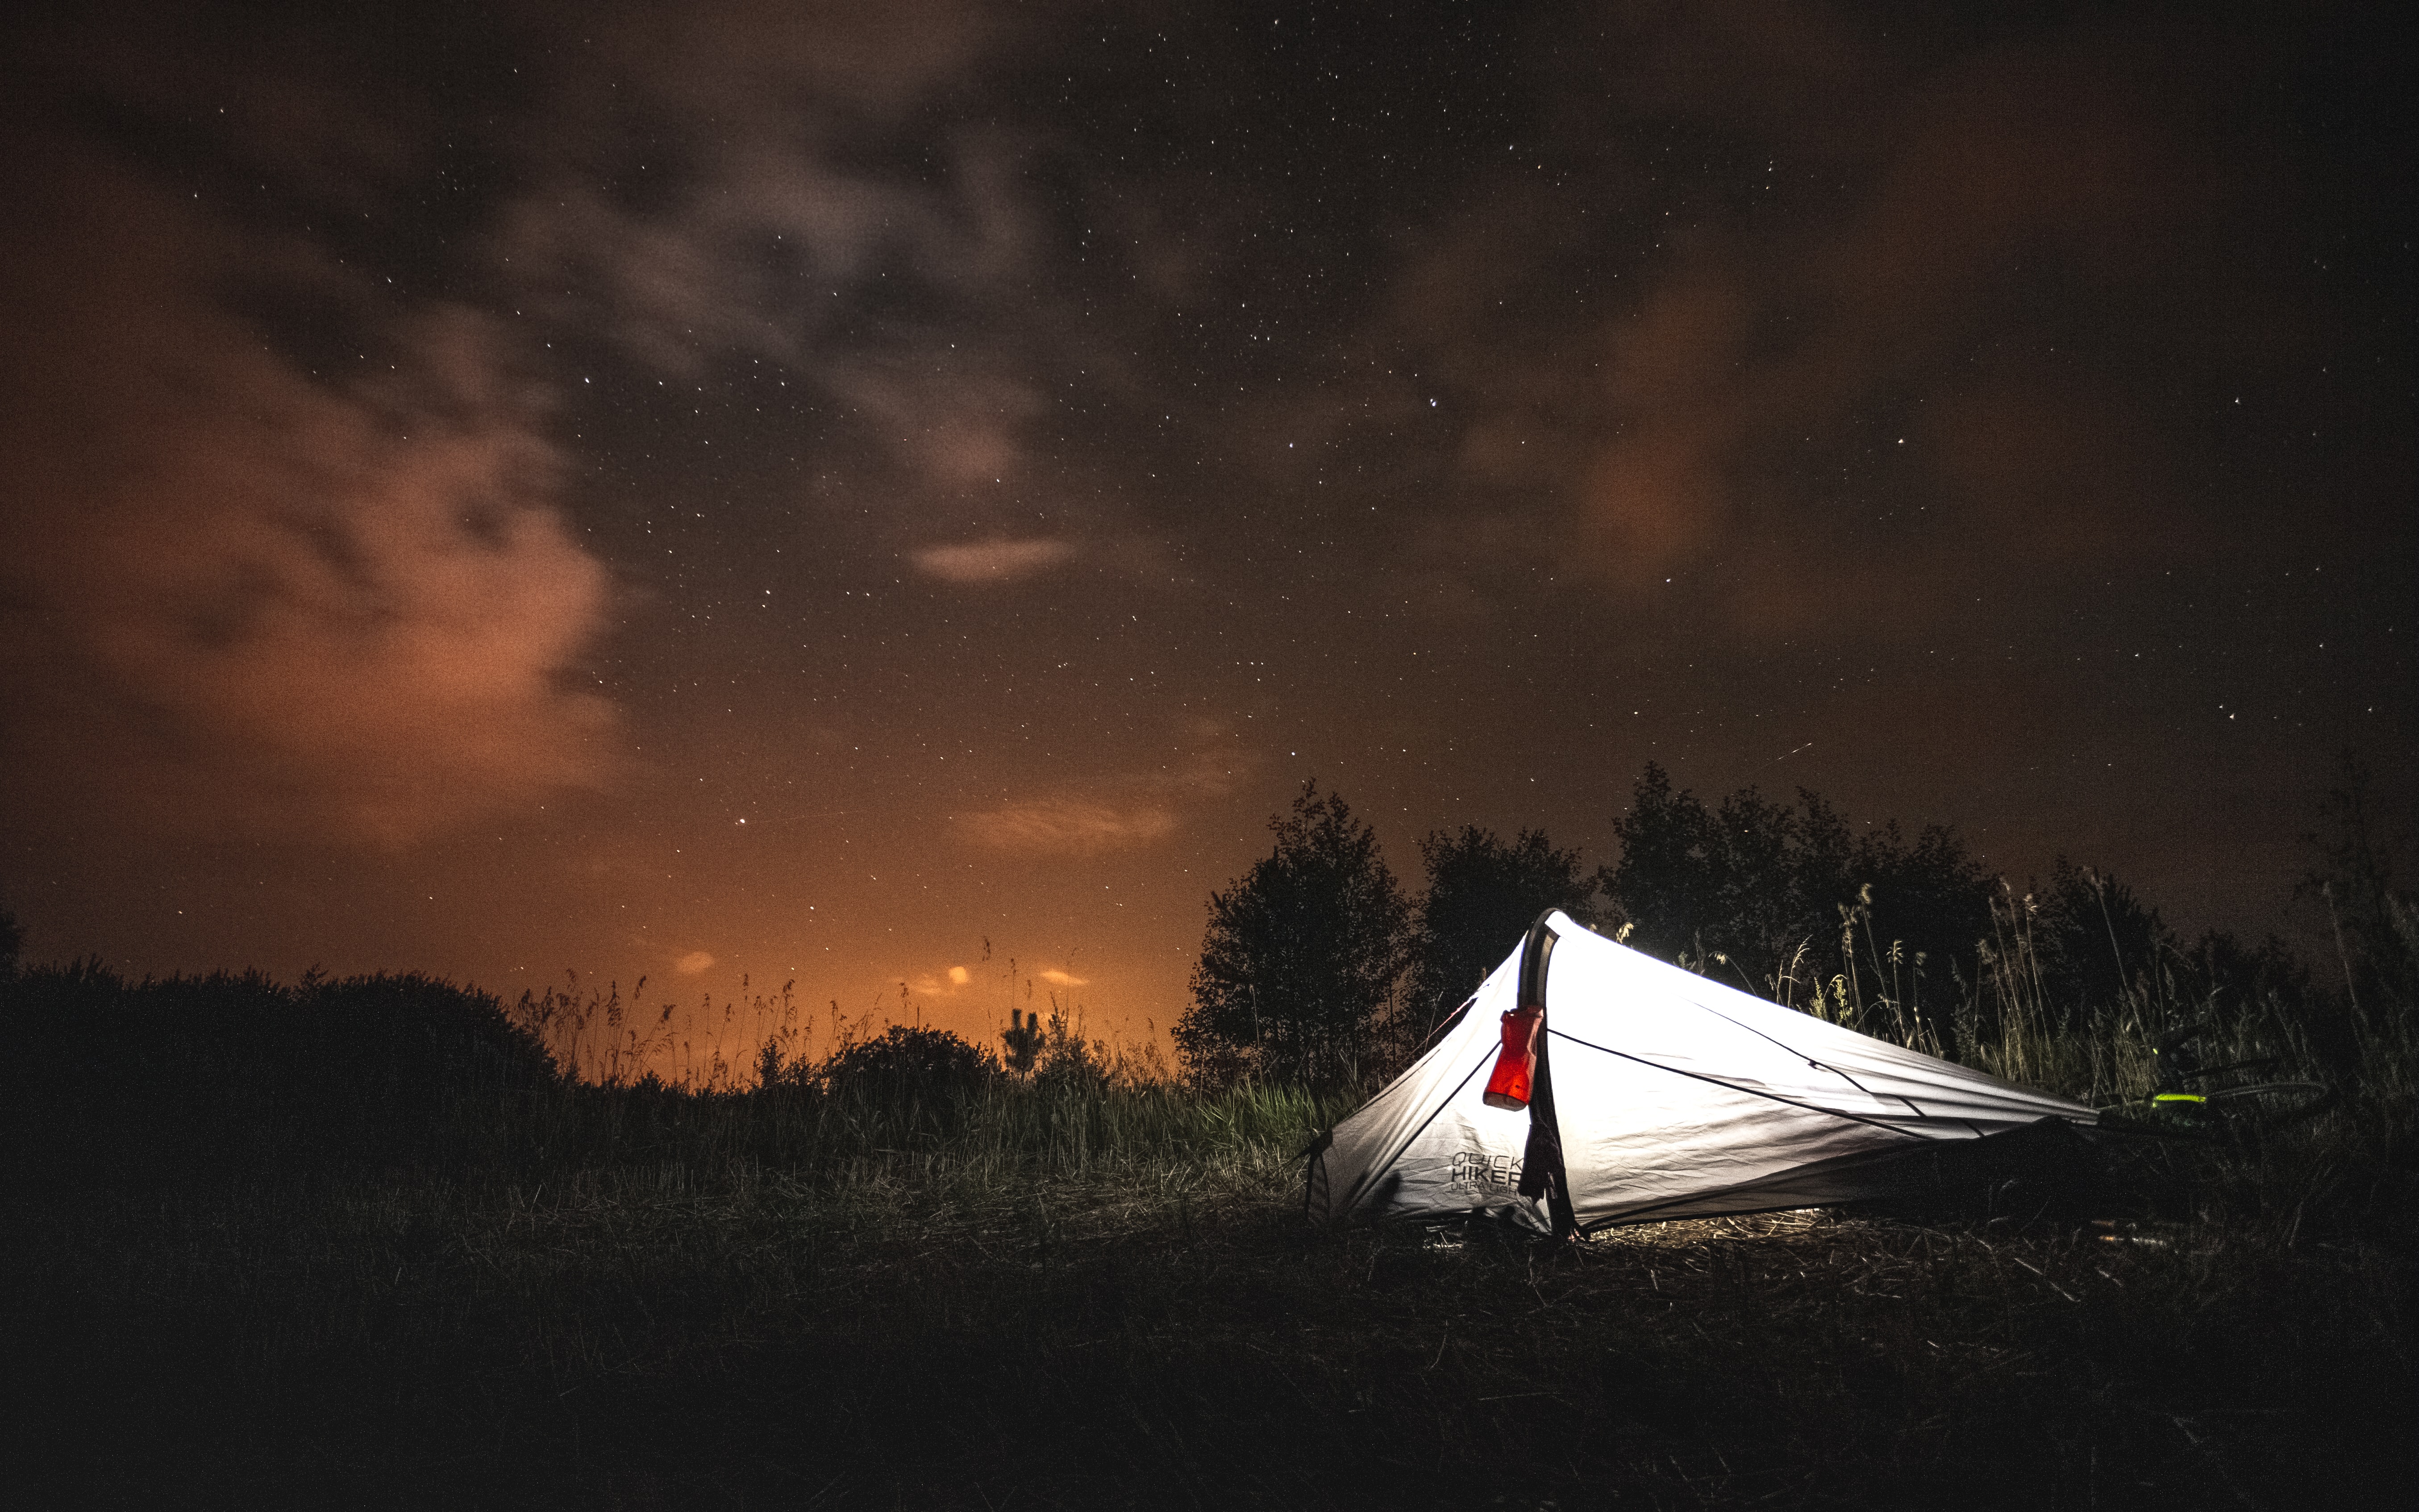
[1768, 244]
[734, 184]
[250, 599]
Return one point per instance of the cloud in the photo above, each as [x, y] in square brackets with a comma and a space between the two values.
[1073, 827]
[992, 561]
[1936, 220]
[693, 962]
[700, 190]
[247, 599]
[954, 430]
[1061, 978]
[753, 57]
[1122, 811]
[941, 984]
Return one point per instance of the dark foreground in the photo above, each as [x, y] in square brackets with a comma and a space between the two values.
[357, 1244]
[311, 1340]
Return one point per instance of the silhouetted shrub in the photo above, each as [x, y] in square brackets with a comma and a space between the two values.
[908, 1061]
[120, 1077]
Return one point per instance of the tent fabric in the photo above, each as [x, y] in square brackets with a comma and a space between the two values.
[1666, 1094]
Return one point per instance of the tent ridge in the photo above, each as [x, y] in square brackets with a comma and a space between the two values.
[1717, 1081]
[1774, 1041]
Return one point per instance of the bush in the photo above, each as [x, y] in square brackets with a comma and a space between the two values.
[160, 1076]
[908, 1062]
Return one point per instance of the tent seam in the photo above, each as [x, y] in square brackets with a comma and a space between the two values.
[1790, 1101]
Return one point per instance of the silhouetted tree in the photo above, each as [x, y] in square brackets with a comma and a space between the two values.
[1483, 892]
[1777, 899]
[1024, 1037]
[2269, 983]
[2096, 943]
[1692, 881]
[1300, 962]
[2372, 926]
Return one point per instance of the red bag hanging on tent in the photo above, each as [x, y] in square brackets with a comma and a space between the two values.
[1515, 1064]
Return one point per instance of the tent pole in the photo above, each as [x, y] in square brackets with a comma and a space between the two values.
[1542, 1172]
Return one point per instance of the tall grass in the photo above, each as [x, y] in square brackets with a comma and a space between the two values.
[1001, 1132]
[2008, 1020]
[2350, 1158]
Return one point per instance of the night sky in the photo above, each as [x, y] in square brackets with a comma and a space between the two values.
[824, 492]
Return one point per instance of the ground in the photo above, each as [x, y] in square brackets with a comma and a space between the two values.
[898, 1334]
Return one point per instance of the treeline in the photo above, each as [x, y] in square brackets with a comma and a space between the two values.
[1321, 975]
[1319, 969]
[163, 1080]
[1318, 966]
[195, 1082]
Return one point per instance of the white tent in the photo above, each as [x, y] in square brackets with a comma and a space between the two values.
[1661, 1094]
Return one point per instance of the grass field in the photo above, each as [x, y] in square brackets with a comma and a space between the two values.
[350, 1244]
